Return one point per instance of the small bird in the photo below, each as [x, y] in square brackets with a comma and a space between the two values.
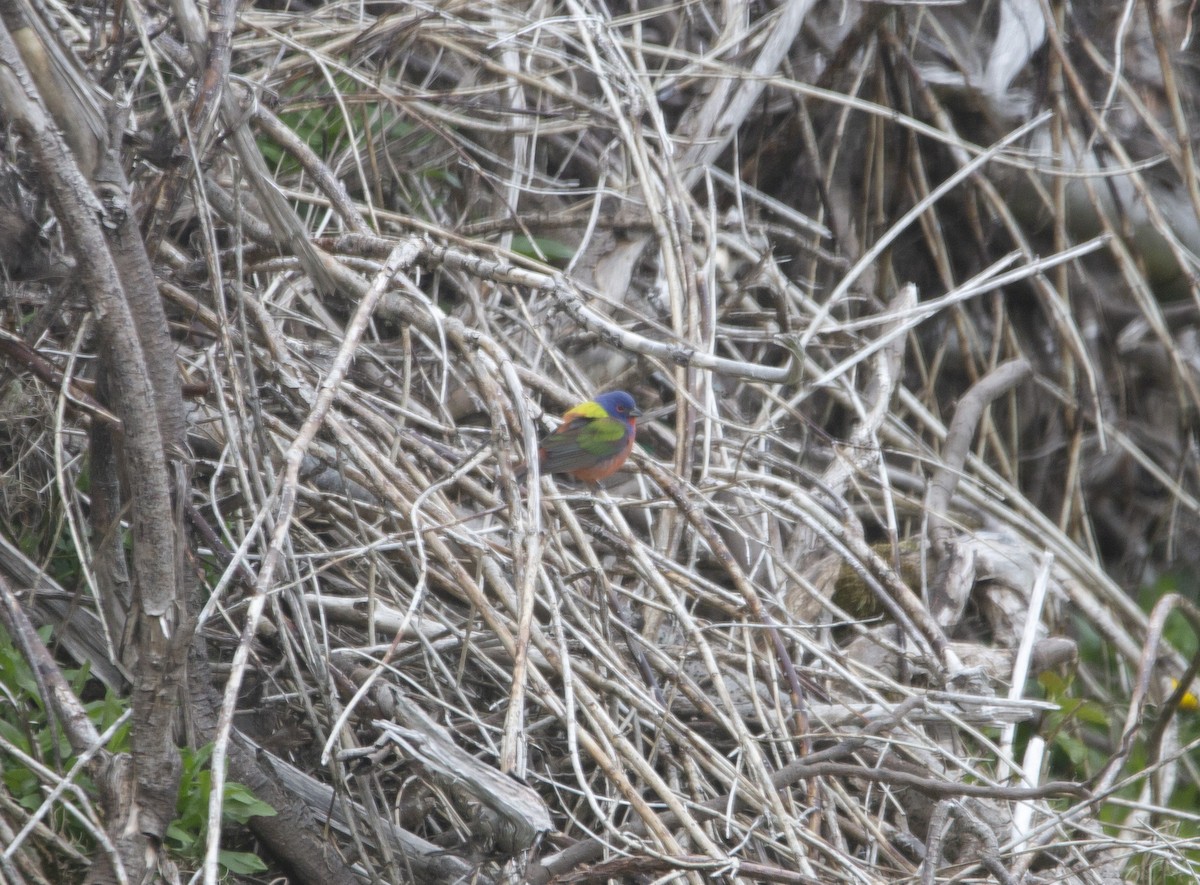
[593, 440]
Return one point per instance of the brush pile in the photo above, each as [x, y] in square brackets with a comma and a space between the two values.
[907, 297]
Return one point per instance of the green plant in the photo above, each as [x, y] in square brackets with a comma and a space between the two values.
[186, 834]
[1077, 731]
[25, 726]
[1084, 733]
[27, 732]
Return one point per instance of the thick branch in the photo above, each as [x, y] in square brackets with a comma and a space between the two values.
[149, 805]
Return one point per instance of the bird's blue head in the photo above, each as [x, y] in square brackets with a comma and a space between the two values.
[619, 404]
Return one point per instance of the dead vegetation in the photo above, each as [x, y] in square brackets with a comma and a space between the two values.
[907, 295]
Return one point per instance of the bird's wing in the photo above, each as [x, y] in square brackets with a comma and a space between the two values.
[583, 442]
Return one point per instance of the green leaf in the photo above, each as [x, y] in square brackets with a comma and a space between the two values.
[1093, 714]
[1052, 684]
[551, 250]
[1075, 749]
[22, 784]
[241, 804]
[14, 735]
[181, 838]
[241, 862]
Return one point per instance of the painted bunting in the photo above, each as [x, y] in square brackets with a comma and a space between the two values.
[593, 440]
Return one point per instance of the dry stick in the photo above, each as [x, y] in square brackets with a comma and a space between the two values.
[938, 828]
[758, 614]
[905, 607]
[711, 128]
[954, 456]
[573, 301]
[1138, 287]
[871, 255]
[939, 822]
[750, 747]
[526, 526]
[76, 391]
[1185, 159]
[640, 868]
[71, 96]
[402, 256]
[320, 666]
[211, 82]
[777, 207]
[53, 689]
[665, 203]
[322, 175]
[275, 208]
[823, 764]
[662, 211]
[989, 280]
[931, 786]
[616, 606]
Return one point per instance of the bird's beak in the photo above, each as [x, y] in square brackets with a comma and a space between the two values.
[635, 412]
